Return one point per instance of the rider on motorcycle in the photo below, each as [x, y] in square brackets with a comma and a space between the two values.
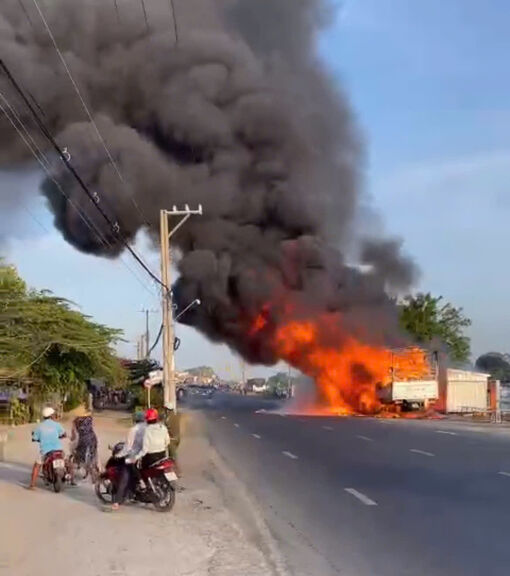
[156, 440]
[49, 434]
[132, 446]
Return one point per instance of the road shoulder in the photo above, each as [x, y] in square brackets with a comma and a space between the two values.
[203, 535]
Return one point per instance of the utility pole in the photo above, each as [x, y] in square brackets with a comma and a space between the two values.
[167, 301]
[142, 347]
[243, 377]
[146, 353]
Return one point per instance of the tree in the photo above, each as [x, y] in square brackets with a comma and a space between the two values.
[427, 318]
[202, 372]
[44, 337]
[495, 364]
[279, 383]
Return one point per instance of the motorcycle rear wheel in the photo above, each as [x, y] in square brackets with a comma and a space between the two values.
[104, 490]
[165, 495]
[57, 484]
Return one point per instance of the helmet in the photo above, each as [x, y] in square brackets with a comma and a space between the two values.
[151, 415]
[47, 412]
[139, 416]
[169, 406]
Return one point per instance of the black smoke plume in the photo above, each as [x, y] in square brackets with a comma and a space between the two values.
[239, 116]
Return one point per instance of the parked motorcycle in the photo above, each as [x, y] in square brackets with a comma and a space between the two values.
[156, 485]
[54, 469]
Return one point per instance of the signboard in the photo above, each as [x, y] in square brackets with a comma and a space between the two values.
[415, 390]
[155, 378]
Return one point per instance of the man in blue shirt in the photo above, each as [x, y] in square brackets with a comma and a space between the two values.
[49, 434]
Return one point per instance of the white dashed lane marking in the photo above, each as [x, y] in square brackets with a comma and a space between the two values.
[422, 452]
[504, 474]
[290, 455]
[361, 497]
[236, 425]
[328, 428]
[256, 436]
[446, 432]
[365, 438]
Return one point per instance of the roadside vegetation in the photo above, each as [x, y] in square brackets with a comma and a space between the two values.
[46, 342]
[429, 320]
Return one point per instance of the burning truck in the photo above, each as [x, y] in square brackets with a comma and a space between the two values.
[406, 389]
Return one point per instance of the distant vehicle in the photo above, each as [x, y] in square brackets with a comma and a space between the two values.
[256, 385]
[198, 390]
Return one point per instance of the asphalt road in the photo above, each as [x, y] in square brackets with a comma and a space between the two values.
[368, 497]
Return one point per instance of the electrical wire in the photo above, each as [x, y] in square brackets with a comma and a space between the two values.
[174, 20]
[34, 218]
[145, 14]
[158, 337]
[114, 225]
[115, 3]
[21, 370]
[44, 163]
[25, 11]
[85, 107]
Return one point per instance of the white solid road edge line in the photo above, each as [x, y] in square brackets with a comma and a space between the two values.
[504, 474]
[361, 497]
[366, 438]
[289, 455]
[256, 436]
[446, 432]
[422, 452]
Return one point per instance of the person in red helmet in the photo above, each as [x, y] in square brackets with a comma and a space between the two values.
[155, 440]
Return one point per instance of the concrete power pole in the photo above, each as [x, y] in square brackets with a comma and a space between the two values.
[145, 353]
[167, 302]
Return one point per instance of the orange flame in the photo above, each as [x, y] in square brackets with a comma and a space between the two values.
[347, 372]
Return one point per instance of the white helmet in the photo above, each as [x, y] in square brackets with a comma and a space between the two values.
[47, 412]
[169, 406]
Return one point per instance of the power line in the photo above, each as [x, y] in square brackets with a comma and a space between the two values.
[115, 3]
[25, 11]
[43, 161]
[174, 19]
[82, 100]
[158, 337]
[145, 14]
[93, 197]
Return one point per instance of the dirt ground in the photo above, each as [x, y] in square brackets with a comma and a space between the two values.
[69, 533]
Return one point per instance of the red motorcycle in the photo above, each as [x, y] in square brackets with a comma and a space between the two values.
[156, 485]
[54, 469]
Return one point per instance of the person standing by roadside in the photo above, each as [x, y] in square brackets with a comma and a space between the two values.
[84, 442]
[172, 421]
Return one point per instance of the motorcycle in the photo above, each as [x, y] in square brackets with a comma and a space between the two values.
[156, 484]
[54, 469]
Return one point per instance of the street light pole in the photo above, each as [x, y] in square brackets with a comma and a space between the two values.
[169, 395]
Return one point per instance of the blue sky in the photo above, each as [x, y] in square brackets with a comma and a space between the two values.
[428, 83]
